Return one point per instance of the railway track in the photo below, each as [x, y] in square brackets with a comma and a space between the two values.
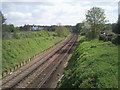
[35, 74]
[58, 58]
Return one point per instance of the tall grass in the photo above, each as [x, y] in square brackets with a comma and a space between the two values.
[94, 64]
[17, 50]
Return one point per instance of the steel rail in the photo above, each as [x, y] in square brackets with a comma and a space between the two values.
[45, 59]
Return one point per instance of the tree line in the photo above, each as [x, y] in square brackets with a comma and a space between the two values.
[95, 23]
[10, 30]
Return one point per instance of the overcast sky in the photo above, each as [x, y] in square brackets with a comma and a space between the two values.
[51, 12]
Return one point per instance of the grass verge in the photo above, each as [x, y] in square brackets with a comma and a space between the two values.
[94, 64]
[15, 51]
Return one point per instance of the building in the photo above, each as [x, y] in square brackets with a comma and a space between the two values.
[32, 27]
[35, 27]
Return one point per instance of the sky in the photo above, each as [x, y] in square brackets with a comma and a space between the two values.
[52, 12]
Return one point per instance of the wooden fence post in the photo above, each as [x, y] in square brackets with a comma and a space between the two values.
[10, 70]
[4, 73]
[21, 64]
[15, 68]
[26, 61]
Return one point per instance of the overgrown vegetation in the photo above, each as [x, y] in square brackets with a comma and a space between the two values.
[94, 64]
[62, 31]
[116, 29]
[17, 50]
[18, 45]
[11, 31]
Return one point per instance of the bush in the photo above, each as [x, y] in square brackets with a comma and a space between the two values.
[82, 33]
[81, 39]
[94, 64]
[15, 51]
[16, 36]
[116, 40]
[62, 31]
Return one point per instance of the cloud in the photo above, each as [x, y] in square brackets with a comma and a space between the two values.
[17, 17]
[49, 12]
[59, 1]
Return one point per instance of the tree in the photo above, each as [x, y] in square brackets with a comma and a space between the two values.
[117, 31]
[117, 26]
[96, 18]
[107, 27]
[2, 18]
[12, 28]
[62, 31]
[79, 27]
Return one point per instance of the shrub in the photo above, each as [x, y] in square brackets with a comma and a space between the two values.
[116, 40]
[94, 64]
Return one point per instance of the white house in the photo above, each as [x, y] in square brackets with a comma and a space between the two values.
[34, 27]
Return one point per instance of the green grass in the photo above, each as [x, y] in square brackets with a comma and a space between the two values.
[37, 33]
[31, 34]
[94, 64]
[15, 51]
[81, 38]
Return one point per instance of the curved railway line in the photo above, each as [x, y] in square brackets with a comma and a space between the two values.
[36, 73]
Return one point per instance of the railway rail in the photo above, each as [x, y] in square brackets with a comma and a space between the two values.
[35, 74]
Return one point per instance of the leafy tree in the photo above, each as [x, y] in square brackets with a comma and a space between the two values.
[62, 31]
[117, 31]
[107, 26]
[2, 18]
[79, 26]
[5, 31]
[96, 18]
[11, 28]
[8, 28]
[117, 27]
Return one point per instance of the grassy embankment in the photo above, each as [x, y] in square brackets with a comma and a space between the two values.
[94, 64]
[28, 44]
